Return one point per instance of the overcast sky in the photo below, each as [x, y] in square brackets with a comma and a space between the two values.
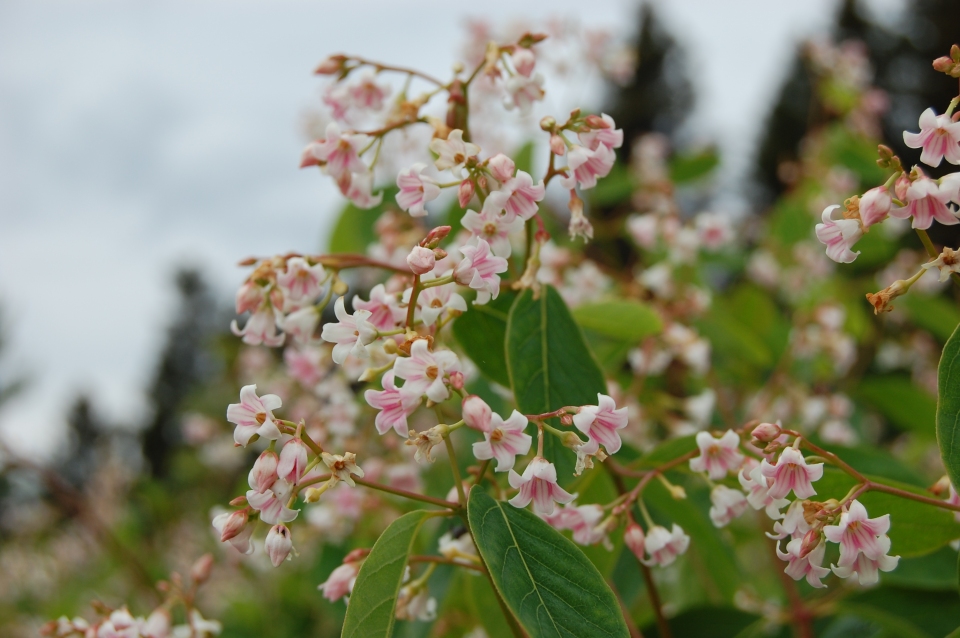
[136, 136]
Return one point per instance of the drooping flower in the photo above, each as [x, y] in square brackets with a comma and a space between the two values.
[424, 371]
[416, 189]
[435, 300]
[717, 456]
[340, 582]
[600, 422]
[794, 524]
[254, 415]
[342, 466]
[352, 333]
[522, 195]
[293, 461]
[418, 605]
[426, 441]
[300, 282]
[856, 533]
[727, 504]
[663, 547]
[272, 504]
[385, 311]
[757, 487]
[839, 235]
[875, 206]
[634, 538]
[582, 520]
[395, 405]
[359, 190]
[338, 152]
[804, 567]
[367, 94]
[460, 549]
[261, 328]
[480, 269]
[939, 137]
[538, 484]
[866, 568]
[240, 540]
[302, 324]
[278, 544]
[503, 440]
[492, 226]
[523, 91]
[927, 201]
[453, 152]
[586, 166]
[791, 473]
[264, 471]
[606, 133]
[523, 61]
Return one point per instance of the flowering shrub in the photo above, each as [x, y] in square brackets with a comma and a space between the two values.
[525, 411]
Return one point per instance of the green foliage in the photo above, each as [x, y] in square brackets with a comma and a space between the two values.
[374, 599]
[937, 314]
[548, 583]
[688, 168]
[549, 363]
[707, 622]
[625, 320]
[906, 613]
[354, 230]
[482, 333]
[948, 408]
[906, 406]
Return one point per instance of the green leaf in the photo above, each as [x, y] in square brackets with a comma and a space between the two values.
[905, 612]
[482, 331]
[623, 319]
[354, 229]
[948, 408]
[371, 611]
[707, 622]
[936, 314]
[687, 168]
[934, 572]
[906, 406]
[548, 583]
[549, 363]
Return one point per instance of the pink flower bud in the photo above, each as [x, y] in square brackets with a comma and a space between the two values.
[331, 65]
[249, 297]
[595, 121]
[523, 61]
[278, 544]
[201, 569]
[456, 380]
[502, 167]
[238, 501]
[465, 193]
[874, 206]
[293, 461]
[810, 541]
[439, 253]
[566, 419]
[233, 525]
[766, 432]
[265, 470]
[435, 236]
[476, 413]
[633, 538]
[421, 260]
[557, 147]
[901, 186]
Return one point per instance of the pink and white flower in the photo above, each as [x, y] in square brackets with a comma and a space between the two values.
[490, 225]
[476, 413]
[794, 524]
[582, 520]
[503, 440]
[717, 456]
[727, 504]
[385, 311]
[501, 167]
[839, 235]
[300, 282]
[352, 333]
[395, 405]
[278, 544]
[757, 487]
[338, 151]
[340, 582]
[416, 189]
[479, 269]
[264, 471]
[791, 473]
[856, 533]
[867, 568]
[424, 371]
[453, 152]
[875, 206]
[436, 300]
[359, 190]
[714, 230]
[421, 260]
[523, 91]
[538, 484]
[927, 201]
[272, 504]
[634, 538]
[522, 195]
[663, 547]
[254, 415]
[523, 61]
[367, 94]
[293, 461]
[586, 166]
[607, 135]
[939, 137]
[302, 324]
[240, 539]
[261, 328]
[806, 567]
[600, 422]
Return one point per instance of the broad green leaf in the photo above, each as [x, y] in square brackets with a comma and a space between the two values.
[687, 168]
[707, 622]
[935, 572]
[948, 408]
[614, 188]
[667, 451]
[523, 158]
[622, 319]
[915, 528]
[936, 314]
[549, 363]
[354, 230]
[906, 406]
[869, 459]
[481, 332]
[371, 612]
[906, 612]
[548, 583]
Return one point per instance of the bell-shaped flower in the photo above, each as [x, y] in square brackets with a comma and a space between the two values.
[480, 269]
[582, 520]
[340, 582]
[634, 539]
[726, 505]
[302, 324]
[343, 466]
[492, 226]
[261, 328]
[791, 473]
[293, 461]
[717, 456]
[522, 92]
[278, 544]
[838, 235]
[927, 201]
[939, 137]
[585, 166]
[230, 524]
[663, 547]
[241, 539]
[338, 152]
[538, 484]
[424, 371]
[806, 566]
[600, 422]
[460, 549]
[359, 190]
[503, 440]
[394, 405]
[352, 333]
[794, 524]
[523, 61]
[416, 605]
[366, 93]
[856, 533]
[867, 568]
[435, 300]
[476, 413]
[254, 415]
[384, 308]
[757, 487]
[272, 504]
[416, 189]
[875, 206]
[453, 152]
[522, 196]
[301, 282]
[264, 471]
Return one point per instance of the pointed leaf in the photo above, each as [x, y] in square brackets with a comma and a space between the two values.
[482, 331]
[948, 408]
[548, 583]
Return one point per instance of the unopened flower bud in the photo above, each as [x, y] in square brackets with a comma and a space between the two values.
[340, 287]
[476, 412]
[465, 193]
[941, 487]
[634, 538]
[421, 260]
[249, 296]
[330, 66]
[523, 61]
[265, 471]
[390, 346]
[201, 569]
[439, 253]
[482, 181]
[501, 167]
[810, 541]
[548, 123]
[557, 147]
[566, 419]
[766, 432]
[238, 501]
[233, 525]
[278, 544]
[571, 440]
[356, 555]
[435, 236]
[456, 380]
[595, 121]
[772, 447]
[901, 185]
